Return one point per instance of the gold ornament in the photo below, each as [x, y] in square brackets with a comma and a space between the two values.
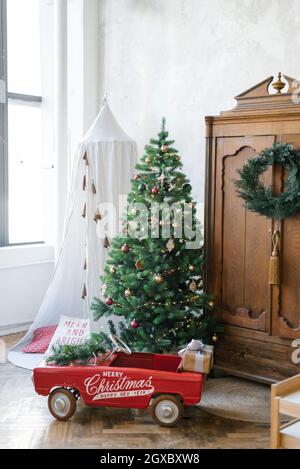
[211, 304]
[214, 338]
[148, 160]
[193, 285]
[113, 270]
[191, 268]
[164, 148]
[170, 244]
[138, 265]
[127, 292]
[158, 279]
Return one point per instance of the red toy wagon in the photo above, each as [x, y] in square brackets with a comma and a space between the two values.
[121, 378]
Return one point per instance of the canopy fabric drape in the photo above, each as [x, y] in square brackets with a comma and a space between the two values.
[102, 171]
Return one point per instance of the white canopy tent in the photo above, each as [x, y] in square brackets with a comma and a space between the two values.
[102, 170]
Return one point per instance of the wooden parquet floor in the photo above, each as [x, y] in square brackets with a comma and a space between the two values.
[26, 423]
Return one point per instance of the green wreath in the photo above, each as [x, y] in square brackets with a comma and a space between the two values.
[259, 198]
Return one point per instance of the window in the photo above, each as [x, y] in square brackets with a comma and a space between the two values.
[21, 193]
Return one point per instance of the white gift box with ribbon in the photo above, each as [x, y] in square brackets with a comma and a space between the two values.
[197, 357]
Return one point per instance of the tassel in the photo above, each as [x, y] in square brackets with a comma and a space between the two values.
[93, 188]
[97, 216]
[274, 264]
[85, 264]
[83, 292]
[106, 242]
[86, 159]
[84, 211]
[84, 183]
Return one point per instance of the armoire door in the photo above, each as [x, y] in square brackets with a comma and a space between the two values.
[242, 240]
[286, 297]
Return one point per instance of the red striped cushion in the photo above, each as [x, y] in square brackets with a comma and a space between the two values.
[41, 340]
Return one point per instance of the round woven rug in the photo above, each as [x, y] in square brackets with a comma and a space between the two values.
[237, 399]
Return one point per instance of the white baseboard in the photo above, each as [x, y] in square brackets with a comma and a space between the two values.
[13, 328]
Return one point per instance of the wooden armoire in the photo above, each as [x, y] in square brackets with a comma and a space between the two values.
[260, 321]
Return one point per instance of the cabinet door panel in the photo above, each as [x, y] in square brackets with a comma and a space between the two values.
[286, 320]
[242, 240]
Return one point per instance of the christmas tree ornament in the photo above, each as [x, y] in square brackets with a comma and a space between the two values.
[148, 160]
[133, 211]
[134, 324]
[161, 179]
[136, 177]
[154, 190]
[113, 270]
[193, 285]
[211, 304]
[214, 338]
[191, 268]
[164, 148]
[141, 187]
[187, 188]
[139, 265]
[127, 292]
[125, 248]
[109, 301]
[170, 244]
[158, 279]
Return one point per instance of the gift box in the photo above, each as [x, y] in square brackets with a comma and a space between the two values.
[197, 357]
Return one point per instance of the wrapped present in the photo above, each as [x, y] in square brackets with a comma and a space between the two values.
[197, 357]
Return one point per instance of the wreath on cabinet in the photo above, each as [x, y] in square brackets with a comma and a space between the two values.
[260, 199]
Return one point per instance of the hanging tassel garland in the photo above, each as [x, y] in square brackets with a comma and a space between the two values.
[97, 216]
[84, 183]
[84, 211]
[83, 292]
[86, 159]
[93, 188]
[84, 265]
[106, 242]
[274, 264]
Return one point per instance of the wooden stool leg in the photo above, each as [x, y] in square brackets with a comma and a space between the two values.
[275, 422]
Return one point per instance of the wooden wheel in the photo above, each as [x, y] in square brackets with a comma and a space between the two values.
[62, 404]
[166, 410]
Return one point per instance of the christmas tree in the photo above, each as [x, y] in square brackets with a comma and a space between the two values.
[153, 278]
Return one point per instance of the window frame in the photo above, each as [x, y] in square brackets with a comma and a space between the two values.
[6, 97]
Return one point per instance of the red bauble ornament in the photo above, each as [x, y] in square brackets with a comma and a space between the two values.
[109, 301]
[125, 248]
[134, 324]
[154, 190]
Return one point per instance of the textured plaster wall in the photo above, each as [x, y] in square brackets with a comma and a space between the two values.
[185, 59]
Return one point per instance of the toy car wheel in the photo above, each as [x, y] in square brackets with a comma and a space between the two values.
[62, 404]
[166, 410]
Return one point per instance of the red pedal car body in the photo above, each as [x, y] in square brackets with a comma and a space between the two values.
[119, 379]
